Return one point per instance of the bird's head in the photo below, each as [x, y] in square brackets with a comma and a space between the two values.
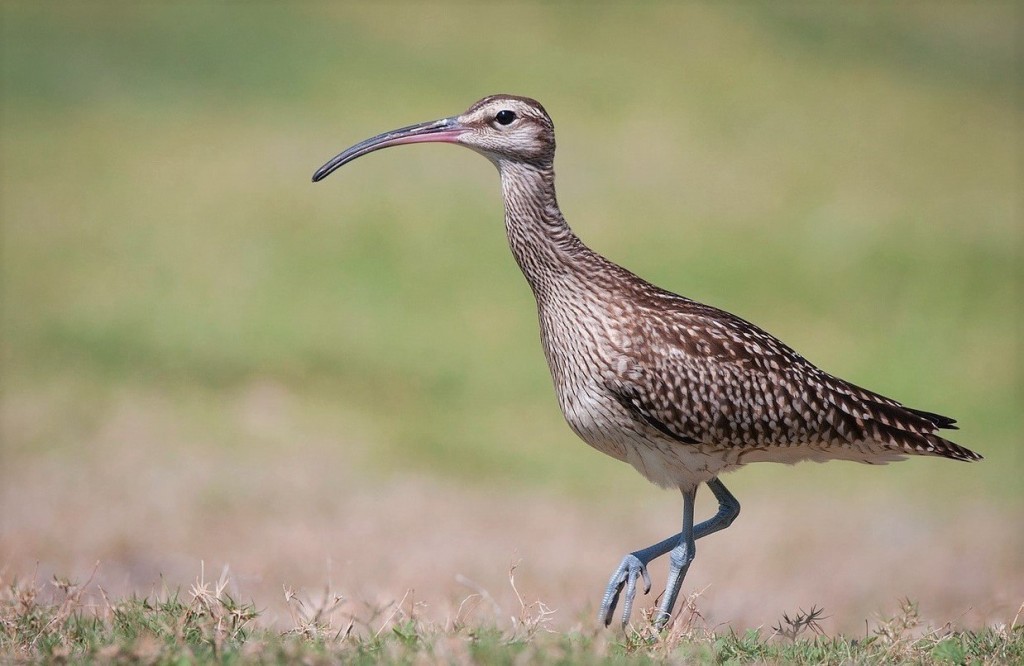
[500, 127]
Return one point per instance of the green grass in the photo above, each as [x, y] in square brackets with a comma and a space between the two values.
[53, 622]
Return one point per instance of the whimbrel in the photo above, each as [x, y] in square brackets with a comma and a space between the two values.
[683, 392]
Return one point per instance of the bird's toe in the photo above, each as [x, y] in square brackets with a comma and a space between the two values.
[624, 580]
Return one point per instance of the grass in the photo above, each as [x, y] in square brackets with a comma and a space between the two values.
[55, 622]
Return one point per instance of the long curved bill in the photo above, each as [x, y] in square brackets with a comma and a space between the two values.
[445, 130]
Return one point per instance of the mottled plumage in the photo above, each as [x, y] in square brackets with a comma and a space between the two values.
[638, 367]
[681, 391]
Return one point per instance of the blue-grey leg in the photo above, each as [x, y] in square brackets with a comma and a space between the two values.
[634, 565]
[679, 561]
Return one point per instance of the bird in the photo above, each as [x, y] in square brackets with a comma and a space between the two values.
[682, 391]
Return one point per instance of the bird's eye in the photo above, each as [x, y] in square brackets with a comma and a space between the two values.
[505, 117]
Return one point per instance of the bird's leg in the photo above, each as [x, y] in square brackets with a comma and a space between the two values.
[679, 561]
[634, 565]
[682, 555]
[728, 509]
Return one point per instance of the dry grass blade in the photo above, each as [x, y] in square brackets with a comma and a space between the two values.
[317, 621]
[533, 617]
[792, 627]
[72, 599]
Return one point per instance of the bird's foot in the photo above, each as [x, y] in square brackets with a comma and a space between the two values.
[624, 579]
[679, 562]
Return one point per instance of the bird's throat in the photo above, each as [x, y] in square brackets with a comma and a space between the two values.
[540, 239]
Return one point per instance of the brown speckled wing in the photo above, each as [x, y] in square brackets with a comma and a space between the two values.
[702, 375]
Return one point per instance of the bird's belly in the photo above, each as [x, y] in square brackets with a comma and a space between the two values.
[603, 424]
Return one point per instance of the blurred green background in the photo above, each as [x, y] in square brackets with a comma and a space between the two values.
[846, 177]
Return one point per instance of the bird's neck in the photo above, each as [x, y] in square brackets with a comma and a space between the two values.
[544, 246]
